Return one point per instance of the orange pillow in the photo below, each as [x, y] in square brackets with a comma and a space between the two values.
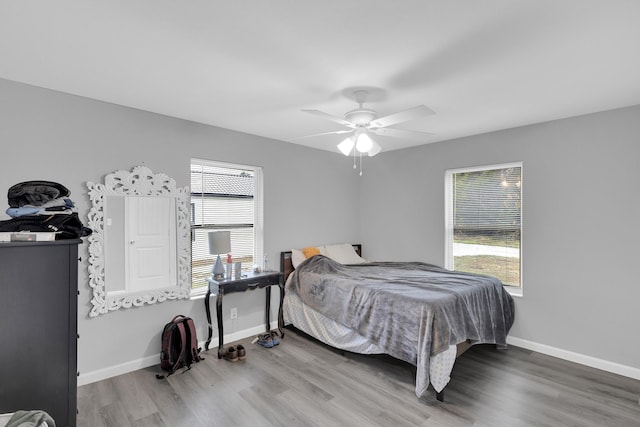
[310, 251]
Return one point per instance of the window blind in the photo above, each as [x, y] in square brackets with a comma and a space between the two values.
[224, 197]
[487, 200]
[484, 221]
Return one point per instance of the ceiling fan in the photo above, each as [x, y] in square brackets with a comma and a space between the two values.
[364, 122]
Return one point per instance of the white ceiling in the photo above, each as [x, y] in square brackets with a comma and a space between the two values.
[252, 65]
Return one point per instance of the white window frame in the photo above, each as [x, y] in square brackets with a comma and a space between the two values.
[448, 215]
[258, 223]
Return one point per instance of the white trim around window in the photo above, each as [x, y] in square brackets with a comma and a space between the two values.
[450, 215]
[228, 200]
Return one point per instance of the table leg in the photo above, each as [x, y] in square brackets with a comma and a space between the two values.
[220, 327]
[208, 311]
[267, 310]
[280, 314]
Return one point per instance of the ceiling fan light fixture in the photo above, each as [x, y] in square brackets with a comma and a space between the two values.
[346, 146]
[362, 123]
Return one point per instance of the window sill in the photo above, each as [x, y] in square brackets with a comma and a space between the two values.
[514, 292]
[198, 293]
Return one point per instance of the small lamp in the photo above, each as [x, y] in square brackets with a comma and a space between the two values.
[219, 243]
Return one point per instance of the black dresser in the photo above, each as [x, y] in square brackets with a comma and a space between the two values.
[38, 328]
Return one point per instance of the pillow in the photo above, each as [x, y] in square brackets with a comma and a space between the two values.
[344, 254]
[297, 257]
[310, 251]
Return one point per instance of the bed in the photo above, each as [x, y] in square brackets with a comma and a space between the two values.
[416, 312]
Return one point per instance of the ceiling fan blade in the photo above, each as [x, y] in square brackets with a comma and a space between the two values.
[402, 116]
[330, 117]
[401, 133]
[337, 132]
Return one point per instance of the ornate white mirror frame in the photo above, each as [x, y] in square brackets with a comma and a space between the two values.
[140, 182]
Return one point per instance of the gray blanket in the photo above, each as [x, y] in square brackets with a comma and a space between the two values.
[411, 310]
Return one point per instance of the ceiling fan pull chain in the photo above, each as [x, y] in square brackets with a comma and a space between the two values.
[360, 164]
[354, 158]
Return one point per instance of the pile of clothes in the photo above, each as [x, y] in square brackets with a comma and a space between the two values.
[43, 206]
[39, 198]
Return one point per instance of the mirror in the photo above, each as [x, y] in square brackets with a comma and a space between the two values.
[139, 251]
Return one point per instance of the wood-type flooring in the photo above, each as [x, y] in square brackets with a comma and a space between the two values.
[302, 382]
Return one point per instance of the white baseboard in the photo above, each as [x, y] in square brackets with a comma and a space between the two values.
[582, 359]
[115, 370]
[145, 362]
[134, 365]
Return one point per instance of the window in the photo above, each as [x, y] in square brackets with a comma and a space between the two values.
[484, 222]
[224, 197]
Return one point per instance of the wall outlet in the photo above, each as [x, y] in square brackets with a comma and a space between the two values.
[234, 313]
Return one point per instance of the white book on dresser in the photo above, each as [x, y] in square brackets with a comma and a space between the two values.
[27, 236]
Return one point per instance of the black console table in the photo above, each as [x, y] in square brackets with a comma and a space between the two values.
[247, 282]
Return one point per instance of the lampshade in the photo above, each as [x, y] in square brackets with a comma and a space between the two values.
[375, 149]
[364, 142]
[219, 242]
[346, 146]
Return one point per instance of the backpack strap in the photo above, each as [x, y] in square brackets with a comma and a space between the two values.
[188, 354]
[183, 342]
[192, 340]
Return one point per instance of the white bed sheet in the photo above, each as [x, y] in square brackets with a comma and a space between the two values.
[339, 336]
[5, 418]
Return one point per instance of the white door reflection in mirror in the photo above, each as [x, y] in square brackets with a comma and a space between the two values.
[150, 243]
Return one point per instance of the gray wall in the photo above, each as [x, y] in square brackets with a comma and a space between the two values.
[581, 206]
[58, 137]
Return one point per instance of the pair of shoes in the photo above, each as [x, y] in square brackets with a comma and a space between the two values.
[268, 339]
[242, 352]
[231, 354]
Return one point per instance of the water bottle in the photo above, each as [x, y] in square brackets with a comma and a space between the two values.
[265, 264]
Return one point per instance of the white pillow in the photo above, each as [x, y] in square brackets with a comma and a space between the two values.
[297, 257]
[344, 254]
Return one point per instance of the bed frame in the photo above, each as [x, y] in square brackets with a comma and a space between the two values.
[286, 267]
